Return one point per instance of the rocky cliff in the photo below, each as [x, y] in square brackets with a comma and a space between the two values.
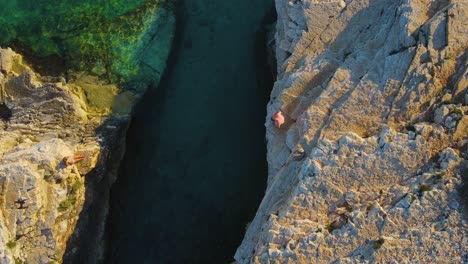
[51, 211]
[43, 121]
[369, 165]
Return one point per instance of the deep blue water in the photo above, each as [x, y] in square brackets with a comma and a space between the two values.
[195, 167]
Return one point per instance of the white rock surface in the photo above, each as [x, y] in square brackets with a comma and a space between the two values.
[362, 85]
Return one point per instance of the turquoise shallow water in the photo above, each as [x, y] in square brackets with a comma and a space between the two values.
[195, 167]
[102, 37]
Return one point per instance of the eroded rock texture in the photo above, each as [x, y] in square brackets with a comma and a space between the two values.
[368, 167]
[43, 201]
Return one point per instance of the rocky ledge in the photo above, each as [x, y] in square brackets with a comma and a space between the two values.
[370, 162]
[44, 120]
[61, 140]
[54, 208]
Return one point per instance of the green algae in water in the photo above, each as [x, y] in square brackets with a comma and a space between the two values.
[104, 37]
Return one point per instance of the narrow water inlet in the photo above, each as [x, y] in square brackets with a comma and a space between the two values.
[195, 167]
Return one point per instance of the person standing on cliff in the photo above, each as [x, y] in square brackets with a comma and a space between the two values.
[278, 119]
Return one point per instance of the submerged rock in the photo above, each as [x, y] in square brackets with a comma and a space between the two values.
[121, 41]
[364, 83]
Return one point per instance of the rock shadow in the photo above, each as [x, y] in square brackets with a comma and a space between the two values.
[90, 240]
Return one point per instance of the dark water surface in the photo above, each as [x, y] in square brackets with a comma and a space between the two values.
[195, 167]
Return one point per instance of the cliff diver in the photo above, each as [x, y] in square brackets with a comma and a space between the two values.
[70, 160]
[278, 119]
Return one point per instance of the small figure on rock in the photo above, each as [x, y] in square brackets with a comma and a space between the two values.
[278, 118]
[70, 160]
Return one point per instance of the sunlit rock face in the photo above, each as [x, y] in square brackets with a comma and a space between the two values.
[51, 211]
[41, 198]
[118, 40]
[369, 165]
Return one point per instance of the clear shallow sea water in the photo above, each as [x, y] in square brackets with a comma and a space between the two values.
[195, 167]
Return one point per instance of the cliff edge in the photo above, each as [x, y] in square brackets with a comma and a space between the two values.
[51, 211]
[44, 120]
[370, 163]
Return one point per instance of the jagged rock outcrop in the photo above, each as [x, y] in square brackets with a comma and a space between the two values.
[368, 167]
[51, 212]
[40, 197]
[48, 208]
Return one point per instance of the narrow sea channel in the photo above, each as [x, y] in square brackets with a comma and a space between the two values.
[195, 167]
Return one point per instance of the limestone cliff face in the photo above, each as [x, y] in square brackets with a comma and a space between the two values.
[51, 212]
[368, 167]
[40, 197]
